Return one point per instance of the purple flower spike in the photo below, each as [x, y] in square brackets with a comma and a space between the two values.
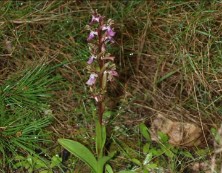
[109, 31]
[92, 79]
[95, 19]
[92, 35]
[91, 59]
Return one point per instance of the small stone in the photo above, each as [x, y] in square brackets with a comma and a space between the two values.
[180, 133]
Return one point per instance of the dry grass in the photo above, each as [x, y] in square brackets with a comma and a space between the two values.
[179, 67]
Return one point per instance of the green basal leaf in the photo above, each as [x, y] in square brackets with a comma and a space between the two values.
[100, 138]
[126, 172]
[109, 169]
[103, 136]
[80, 151]
[102, 161]
[144, 131]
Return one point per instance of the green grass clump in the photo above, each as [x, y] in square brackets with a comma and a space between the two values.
[31, 90]
[19, 136]
[25, 112]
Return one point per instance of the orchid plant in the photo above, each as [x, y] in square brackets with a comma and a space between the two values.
[102, 70]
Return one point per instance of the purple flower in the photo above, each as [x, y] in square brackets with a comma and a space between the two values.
[95, 18]
[112, 73]
[92, 34]
[109, 39]
[92, 79]
[91, 59]
[109, 31]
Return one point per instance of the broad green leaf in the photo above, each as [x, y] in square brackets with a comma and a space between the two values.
[100, 138]
[103, 160]
[103, 136]
[126, 172]
[80, 151]
[144, 131]
[109, 169]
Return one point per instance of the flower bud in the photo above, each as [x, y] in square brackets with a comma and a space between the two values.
[104, 80]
